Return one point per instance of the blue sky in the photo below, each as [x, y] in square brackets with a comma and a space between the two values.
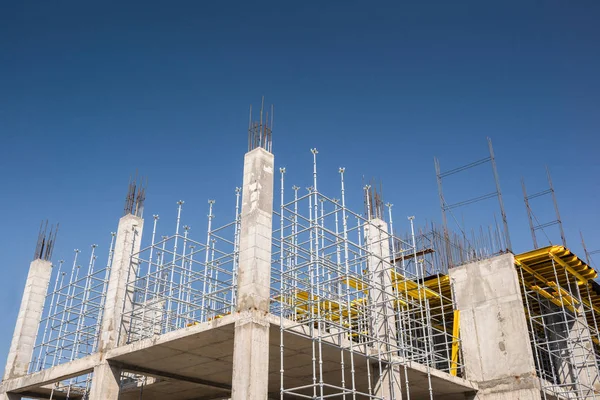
[92, 91]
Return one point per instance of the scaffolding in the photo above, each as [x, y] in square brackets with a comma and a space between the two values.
[180, 281]
[73, 309]
[562, 305]
[374, 308]
[360, 295]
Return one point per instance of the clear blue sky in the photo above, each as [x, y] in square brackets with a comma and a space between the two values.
[92, 91]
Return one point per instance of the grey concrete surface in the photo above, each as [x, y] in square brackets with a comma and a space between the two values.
[493, 329]
[127, 242]
[251, 344]
[28, 319]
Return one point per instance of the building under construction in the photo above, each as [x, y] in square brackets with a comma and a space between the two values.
[300, 296]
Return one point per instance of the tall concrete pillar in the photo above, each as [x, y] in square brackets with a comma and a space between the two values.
[106, 382]
[381, 296]
[251, 341]
[118, 300]
[28, 319]
[493, 330]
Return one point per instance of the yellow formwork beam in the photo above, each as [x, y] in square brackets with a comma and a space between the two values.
[581, 280]
[455, 343]
[409, 287]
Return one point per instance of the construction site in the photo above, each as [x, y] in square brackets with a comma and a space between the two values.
[300, 296]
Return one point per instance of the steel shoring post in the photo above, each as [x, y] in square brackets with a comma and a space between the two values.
[190, 273]
[282, 290]
[399, 324]
[84, 305]
[581, 330]
[206, 258]
[236, 249]
[171, 267]
[340, 300]
[547, 332]
[347, 275]
[107, 269]
[317, 267]
[295, 244]
[149, 271]
[182, 279]
[43, 345]
[312, 295]
[211, 283]
[594, 334]
[55, 318]
[421, 294]
[532, 330]
[67, 307]
[160, 289]
[564, 322]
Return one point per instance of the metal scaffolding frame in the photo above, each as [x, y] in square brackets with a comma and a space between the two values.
[72, 317]
[381, 302]
[180, 281]
[335, 284]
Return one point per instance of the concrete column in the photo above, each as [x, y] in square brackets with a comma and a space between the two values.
[251, 341]
[118, 300]
[493, 330]
[28, 319]
[381, 296]
[105, 382]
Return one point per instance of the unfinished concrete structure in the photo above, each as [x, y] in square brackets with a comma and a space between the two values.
[301, 297]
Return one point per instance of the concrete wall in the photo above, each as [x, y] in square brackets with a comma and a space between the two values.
[493, 329]
[28, 319]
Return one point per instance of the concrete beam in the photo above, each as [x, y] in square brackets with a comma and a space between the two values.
[51, 375]
[28, 319]
[162, 374]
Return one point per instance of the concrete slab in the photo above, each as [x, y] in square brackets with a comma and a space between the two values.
[197, 364]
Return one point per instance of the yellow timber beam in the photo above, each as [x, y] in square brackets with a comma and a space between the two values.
[581, 279]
